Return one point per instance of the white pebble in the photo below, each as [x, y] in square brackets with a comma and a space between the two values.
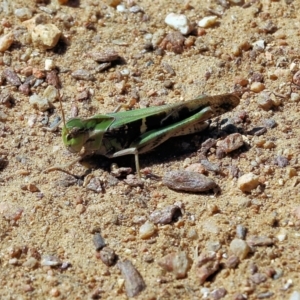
[121, 8]
[6, 41]
[23, 13]
[239, 248]
[247, 182]
[207, 21]
[281, 236]
[40, 103]
[179, 22]
[49, 64]
[295, 97]
[147, 230]
[259, 45]
[295, 295]
[45, 36]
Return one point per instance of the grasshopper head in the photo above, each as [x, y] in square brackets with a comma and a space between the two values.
[74, 138]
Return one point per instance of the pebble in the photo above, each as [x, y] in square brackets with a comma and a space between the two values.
[208, 21]
[196, 167]
[259, 45]
[11, 77]
[108, 55]
[270, 123]
[5, 41]
[218, 293]
[167, 215]
[281, 161]
[241, 231]
[134, 282]
[23, 13]
[281, 235]
[39, 102]
[188, 181]
[239, 248]
[232, 262]
[50, 260]
[121, 8]
[83, 75]
[209, 166]
[45, 36]
[179, 22]
[207, 264]
[248, 182]
[30, 263]
[49, 64]
[52, 78]
[108, 256]
[259, 241]
[135, 9]
[265, 101]
[174, 42]
[98, 241]
[296, 78]
[94, 185]
[231, 143]
[295, 295]
[147, 230]
[51, 93]
[258, 278]
[257, 87]
[241, 81]
[177, 263]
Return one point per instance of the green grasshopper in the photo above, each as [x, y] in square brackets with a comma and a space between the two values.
[138, 131]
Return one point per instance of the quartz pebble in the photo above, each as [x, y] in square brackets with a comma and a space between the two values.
[45, 36]
[49, 64]
[165, 215]
[179, 22]
[41, 103]
[177, 263]
[147, 230]
[5, 41]
[208, 21]
[188, 181]
[23, 13]
[50, 260]
[248, 182]
[239, 248]
[295, 295]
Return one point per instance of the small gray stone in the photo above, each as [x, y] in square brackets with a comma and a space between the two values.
[188, 181]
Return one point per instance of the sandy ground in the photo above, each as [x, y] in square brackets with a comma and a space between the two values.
[52, 217]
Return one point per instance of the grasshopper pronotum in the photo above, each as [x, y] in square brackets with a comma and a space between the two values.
[138, 131]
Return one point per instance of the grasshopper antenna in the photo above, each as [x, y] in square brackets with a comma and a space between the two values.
[62, 111]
